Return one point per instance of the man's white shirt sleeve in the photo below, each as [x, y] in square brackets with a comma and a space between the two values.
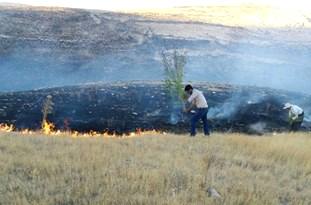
[198, 99]
[193, 96]
[296, 111]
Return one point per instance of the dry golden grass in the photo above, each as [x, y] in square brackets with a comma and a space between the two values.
[243, 15]
[164, 169]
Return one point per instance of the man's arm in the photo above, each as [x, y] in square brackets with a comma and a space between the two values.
[291, 117]
[188, 107]
[294, 114]
[192, 97]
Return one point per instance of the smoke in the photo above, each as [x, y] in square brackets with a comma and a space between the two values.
[307, 119]
[226, 55]
[258, 128]
[176, 112]
[277, 65]
[27, 69]
[232, 105]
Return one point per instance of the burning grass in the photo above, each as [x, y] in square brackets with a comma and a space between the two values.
[49, 129]
[155, 169]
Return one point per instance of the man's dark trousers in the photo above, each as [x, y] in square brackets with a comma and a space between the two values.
[200, 114]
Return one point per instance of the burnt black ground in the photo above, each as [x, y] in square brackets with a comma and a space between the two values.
[123, 107]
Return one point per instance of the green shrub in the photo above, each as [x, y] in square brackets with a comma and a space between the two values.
[174, 65]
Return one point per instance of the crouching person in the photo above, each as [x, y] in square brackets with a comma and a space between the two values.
[295, 116]
[197, 99]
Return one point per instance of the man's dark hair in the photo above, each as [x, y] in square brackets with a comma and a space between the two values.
[188, 87]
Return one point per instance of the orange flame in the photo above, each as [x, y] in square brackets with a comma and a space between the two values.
[26, 131]
[6, 128]
[48, 129]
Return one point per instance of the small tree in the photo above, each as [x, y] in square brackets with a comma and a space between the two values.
[174, 65]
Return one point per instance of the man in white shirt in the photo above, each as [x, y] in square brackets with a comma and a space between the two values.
[197, 99]
[295, 116]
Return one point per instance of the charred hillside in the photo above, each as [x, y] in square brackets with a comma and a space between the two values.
[123, 107]
[53, 47]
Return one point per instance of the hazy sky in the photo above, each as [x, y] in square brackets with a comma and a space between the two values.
[139, 4]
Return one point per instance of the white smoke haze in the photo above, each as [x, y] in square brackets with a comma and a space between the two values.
[308, 117]
[258, 128]
[215, 53]
[231, 106]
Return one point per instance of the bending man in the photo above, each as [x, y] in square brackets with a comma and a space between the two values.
[197, 99]
[295, 116]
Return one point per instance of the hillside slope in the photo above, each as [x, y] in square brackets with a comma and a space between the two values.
[244, 15]
[47, 47]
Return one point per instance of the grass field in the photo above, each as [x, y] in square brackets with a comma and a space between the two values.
[242, 15]
[163, 169]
